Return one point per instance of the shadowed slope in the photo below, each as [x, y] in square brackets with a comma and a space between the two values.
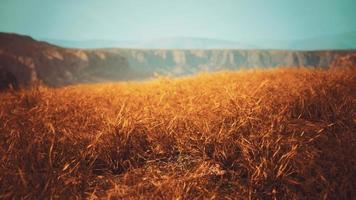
[29, 61]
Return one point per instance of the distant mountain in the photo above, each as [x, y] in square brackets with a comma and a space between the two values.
[91, 44]
[24, 61]
[341, 41]
[327, 42]
[161, 43]
[192, 43]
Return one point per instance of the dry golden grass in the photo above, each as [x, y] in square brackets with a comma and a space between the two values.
[264, 134]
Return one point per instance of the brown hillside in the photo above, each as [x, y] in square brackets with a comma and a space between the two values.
[30, 61]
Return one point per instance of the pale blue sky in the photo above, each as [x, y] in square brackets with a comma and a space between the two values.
[147, 19]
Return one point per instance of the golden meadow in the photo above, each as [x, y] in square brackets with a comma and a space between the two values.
[254, 134]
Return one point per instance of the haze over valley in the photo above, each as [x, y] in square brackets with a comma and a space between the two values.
[338, 41]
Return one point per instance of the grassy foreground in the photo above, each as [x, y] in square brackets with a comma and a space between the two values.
[264, 134]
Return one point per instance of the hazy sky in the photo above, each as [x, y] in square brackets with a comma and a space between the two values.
[146, 19]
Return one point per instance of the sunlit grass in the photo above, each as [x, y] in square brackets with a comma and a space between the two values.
[263, 134]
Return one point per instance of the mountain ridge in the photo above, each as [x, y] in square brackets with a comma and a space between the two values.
[24, 60]
[159, 43]
[337, 41]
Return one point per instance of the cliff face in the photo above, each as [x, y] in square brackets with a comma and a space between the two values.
[27, 60]
[180, 62]
[348, 59]
[24, 60]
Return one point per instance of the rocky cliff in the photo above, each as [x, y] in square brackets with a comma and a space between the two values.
[181, 62]
[24, 60]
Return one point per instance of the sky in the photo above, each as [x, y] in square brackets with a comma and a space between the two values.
[125, 20]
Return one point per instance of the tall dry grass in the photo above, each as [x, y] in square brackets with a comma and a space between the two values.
[263, 134]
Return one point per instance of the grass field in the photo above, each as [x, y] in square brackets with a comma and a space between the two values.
[261, 134]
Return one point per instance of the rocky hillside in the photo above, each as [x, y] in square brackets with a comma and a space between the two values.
[24, 60]
[182, 62]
